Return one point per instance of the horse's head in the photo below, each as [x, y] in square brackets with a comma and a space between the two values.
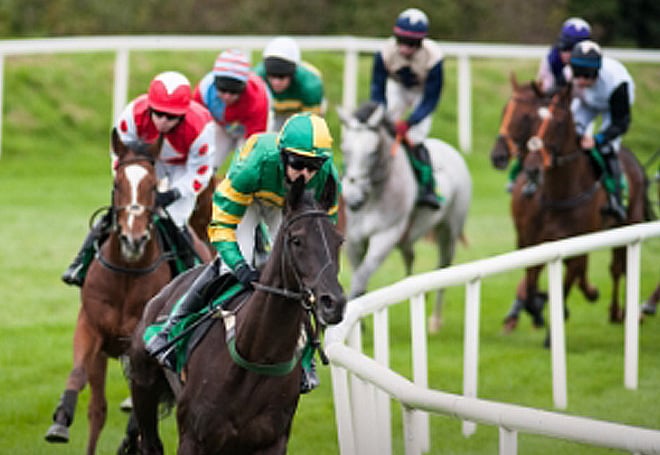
[362, 147]
[309, 245]
[134, 195]
[519, 120]
[555, 136]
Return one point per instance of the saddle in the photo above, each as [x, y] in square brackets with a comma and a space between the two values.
[223, 293]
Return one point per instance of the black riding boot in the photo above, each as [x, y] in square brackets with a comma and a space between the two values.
[615, 206]
[424, 174]
[75, 274]
[191, 302]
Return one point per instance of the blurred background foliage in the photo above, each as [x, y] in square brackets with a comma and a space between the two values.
[633, 23]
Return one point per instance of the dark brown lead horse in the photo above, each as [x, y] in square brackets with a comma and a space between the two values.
[131, 267]
[569, 201]
[237, 396]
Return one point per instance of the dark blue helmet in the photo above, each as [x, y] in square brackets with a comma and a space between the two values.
[572, 32]
[412, 24]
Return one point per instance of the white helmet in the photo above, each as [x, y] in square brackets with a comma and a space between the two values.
[281, 56]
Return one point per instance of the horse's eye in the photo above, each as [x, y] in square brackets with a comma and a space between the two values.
[295, 240]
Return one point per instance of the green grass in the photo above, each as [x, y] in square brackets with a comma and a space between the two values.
[54, 172]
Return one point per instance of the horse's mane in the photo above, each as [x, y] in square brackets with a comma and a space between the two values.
[365, 110]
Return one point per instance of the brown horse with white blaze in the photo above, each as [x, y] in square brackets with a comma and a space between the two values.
[130, 267]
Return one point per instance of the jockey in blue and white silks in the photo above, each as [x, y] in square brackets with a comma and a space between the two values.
[407, 75]
[602, 87]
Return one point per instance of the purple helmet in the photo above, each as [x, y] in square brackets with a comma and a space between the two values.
[412, 24]
[572, 32]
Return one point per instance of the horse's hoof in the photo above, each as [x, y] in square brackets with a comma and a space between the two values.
[648, 309]
[57, 433]
[592, 295]
[434, 324]
[510, 324]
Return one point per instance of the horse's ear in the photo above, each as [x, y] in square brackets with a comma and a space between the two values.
[536, 86]
[514, 81]
[376, 117]
[329, 195]
[344, 115]
[295, 195]
[117, 145]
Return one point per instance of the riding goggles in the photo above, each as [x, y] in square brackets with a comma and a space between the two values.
[299, 162]
[166, 115]
[407, 41]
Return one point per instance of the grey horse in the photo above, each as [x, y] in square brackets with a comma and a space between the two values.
[379, 190]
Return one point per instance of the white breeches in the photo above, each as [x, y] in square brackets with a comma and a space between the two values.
[400, 100]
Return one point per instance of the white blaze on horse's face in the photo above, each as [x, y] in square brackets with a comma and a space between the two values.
[134, 174]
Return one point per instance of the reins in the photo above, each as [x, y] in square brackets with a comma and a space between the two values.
[305, 297]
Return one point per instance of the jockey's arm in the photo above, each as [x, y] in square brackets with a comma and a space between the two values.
[199, 164]
[378, 79]
[619, 104]
[431, 97]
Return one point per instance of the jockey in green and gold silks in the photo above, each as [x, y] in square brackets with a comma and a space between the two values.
[250, 197]
[257, 173]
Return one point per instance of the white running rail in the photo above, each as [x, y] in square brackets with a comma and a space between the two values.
[363, 387]
[351, 47]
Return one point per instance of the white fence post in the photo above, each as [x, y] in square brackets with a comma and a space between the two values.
[464, 104]
[419, 345]
[471, 346]
[631, 342]
[557, 337]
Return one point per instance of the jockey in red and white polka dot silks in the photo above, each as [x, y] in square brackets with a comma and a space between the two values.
[186, 159]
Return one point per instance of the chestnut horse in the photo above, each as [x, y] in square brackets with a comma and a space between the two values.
[569, 201]
[130, 268]
[242, 385]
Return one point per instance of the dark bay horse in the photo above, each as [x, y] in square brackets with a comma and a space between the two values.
[130, 268]
[240, 392]
[569, 201]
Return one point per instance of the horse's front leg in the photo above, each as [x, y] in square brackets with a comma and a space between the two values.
[617, 269]
[577, 268]
[97, 410]
[527, 298]
[147, 384]
[380, 245]
[84, 340]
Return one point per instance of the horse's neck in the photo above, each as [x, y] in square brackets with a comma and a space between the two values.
[398, 168]
[569, 176]
[268, 327]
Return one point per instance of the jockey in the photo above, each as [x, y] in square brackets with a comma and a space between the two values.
[237, 99]
[185, 161]
[602, 86]
[554, 70]
[408, 74]
[253, 190]
[295, 85]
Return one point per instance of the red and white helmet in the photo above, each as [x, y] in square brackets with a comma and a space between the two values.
[170, 92]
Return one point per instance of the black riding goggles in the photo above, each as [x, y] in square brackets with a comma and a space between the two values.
[412, 42]
[167, 115]
[299, 162]
[587, 73]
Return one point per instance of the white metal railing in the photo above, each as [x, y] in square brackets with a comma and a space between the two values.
[350, 45]
[362, 387]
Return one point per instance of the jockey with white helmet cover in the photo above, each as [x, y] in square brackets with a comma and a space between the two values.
[237, 99]
[296, 85]
[554, 71]
[408, 75]
[185, 163]
[602, 87]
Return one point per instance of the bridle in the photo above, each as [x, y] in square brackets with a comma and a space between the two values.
[514, 147]
[136, 210]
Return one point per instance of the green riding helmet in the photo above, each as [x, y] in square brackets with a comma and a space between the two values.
[307, 135]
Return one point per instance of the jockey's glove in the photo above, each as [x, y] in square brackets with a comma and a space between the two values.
[165, 198]
[246, 274]
[401, 127]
